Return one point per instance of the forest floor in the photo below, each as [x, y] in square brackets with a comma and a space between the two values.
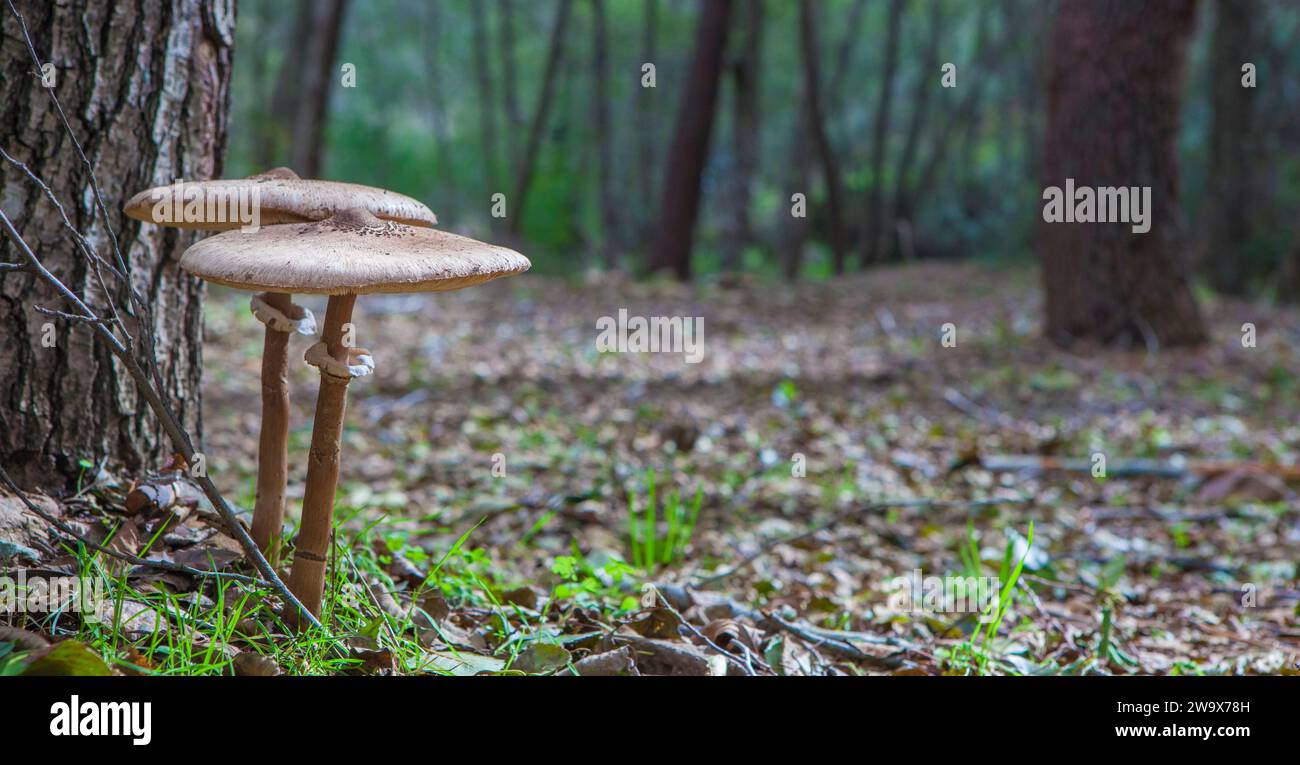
[827, 450]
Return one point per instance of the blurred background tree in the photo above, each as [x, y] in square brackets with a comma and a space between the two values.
[839, 100]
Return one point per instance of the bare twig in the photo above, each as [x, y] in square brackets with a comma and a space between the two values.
[87, 249]
[68, 316]
[831, 643]
[1083, 588]
[984, 414]
[77, 236]
[731, 658]
[1126, 468]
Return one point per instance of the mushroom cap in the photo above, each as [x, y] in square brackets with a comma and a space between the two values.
[283, 197]
[351, 252]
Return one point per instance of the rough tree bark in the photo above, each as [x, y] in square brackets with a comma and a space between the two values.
[317, 77]
[1113, 107]
[1234, 167]
[689, 150]
[159, 119]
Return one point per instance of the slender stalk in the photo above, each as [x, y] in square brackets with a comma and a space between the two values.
[307, 577]
[273, 443]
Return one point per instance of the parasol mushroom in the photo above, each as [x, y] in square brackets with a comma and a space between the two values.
[348, 254]
[277, 196]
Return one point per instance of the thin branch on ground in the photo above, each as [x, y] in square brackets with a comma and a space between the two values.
[731, 658]
[838, 646]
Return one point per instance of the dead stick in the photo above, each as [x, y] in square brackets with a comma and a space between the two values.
[1134, 467]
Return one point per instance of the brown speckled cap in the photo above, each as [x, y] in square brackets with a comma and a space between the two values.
[352, 252]
[283, 197]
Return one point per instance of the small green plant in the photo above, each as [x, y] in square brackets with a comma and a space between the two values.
[1108, 648]
[974, 654]
[650, 549]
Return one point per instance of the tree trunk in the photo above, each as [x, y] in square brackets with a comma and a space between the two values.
[72, 402]
[844, 53]
[793, 231]
[263, 127]
[1113, 107]
[875, 194]
[604, 139]
[487, 101]
[646, 123]
[434, 27]
[745, 136]
[317, 78]
[690, 147]
[1036, 17]
[812, 102]
[902, 207]
[1288, 276]
[528, 162]
[1233, 154]
[988, 57]
[510, 82]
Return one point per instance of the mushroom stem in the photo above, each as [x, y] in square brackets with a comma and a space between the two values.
[273, 443]
[307, 577]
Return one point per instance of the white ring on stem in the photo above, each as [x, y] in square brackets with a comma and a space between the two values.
[360, 362]
[277, 321]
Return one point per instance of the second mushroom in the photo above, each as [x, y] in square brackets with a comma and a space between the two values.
[277, 196]
[343, 256]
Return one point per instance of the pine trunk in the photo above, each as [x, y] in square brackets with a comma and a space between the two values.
[1113, 107]
[690, 147]
[1233, 150]
[161, 118]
